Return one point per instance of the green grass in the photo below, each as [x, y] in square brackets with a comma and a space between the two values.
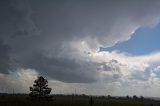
[21, 100]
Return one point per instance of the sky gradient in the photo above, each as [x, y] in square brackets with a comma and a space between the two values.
[98, 47]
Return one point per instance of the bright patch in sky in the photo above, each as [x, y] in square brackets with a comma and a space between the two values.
[144, 41]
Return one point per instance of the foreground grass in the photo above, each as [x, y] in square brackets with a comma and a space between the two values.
[69, 100]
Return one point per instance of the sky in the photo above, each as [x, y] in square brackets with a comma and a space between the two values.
[98, 47]
[138, 44]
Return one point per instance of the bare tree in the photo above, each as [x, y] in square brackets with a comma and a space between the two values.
[40, 89]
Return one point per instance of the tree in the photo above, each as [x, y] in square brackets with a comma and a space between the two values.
[135, 97]
[127, 97]
[141, 97]
[40, 89]
[109, 97]
[91, 101]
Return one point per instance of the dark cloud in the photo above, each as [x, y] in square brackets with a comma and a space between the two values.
[101, 22]
[63, 69]
[41, 34]
[4, 58]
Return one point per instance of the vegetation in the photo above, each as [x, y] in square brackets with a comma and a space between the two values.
[40, 90]
[74, 100]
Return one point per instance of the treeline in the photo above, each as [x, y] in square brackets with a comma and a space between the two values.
[82, 96]
[75, 100]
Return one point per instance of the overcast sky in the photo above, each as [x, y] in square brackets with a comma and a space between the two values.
[98, 47]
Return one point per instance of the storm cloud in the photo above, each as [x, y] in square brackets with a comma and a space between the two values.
[61, 39]
[5, 60]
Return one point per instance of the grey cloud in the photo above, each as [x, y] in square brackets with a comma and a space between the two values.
[34, 29]
[16, 20]
[112, 65]
[63, 69]
[4, 58]
[104, 22]
[23, 23]
[140, 75]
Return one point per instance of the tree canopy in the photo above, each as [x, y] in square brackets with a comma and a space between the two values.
[40, 89]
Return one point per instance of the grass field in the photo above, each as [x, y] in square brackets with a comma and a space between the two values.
[72, 100]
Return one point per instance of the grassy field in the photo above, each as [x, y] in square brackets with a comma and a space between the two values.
[71, 100]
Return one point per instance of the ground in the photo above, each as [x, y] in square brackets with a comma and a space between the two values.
[74, 100]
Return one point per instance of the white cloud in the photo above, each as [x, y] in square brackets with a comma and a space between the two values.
[157, 69]
[18, 81]
[120, 74]
[117, 74]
